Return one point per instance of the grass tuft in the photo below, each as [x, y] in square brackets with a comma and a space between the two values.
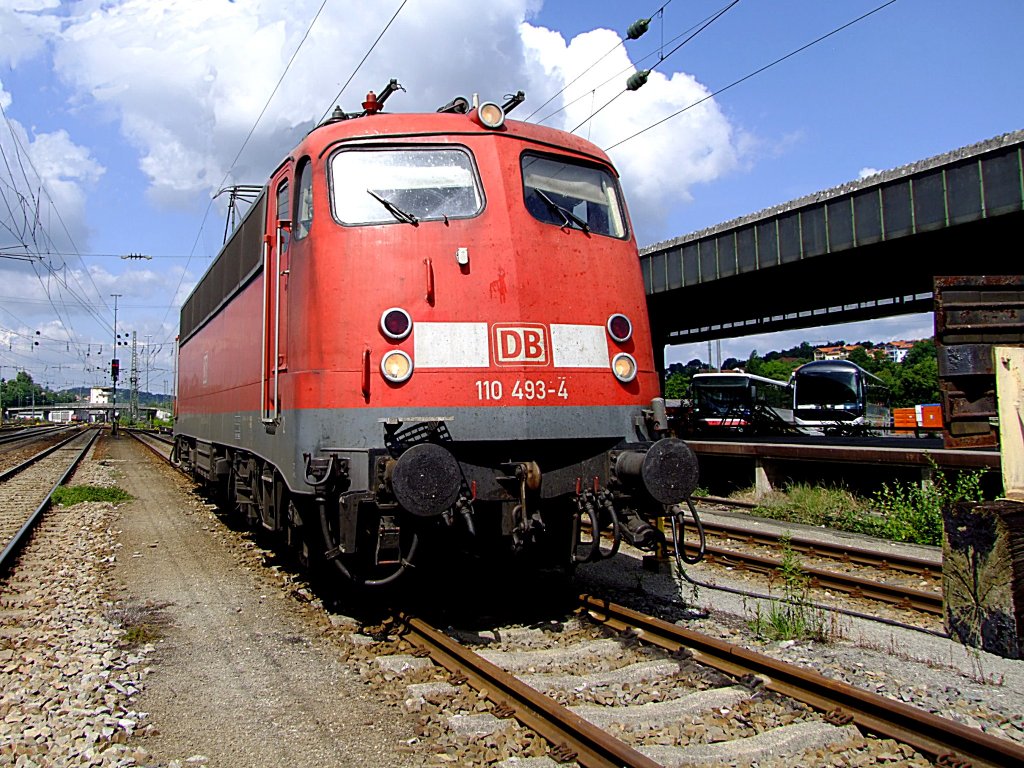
[69, 495]
[793, 616]
[140, 623]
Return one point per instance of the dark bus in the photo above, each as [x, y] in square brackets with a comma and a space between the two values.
[838, 396]
[739, 402]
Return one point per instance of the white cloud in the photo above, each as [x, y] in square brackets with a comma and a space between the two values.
[189, 80]
[662, 165]
[66, 168]
[43, 184]
[865, 172]
[25, 27]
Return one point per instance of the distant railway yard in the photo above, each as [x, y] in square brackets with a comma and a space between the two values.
[154, 632]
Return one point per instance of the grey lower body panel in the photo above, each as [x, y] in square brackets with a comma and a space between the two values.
[515, 433]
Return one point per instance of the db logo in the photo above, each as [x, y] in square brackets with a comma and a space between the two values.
[520, 344]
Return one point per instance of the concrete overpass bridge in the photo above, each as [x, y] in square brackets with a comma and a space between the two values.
[864, 250]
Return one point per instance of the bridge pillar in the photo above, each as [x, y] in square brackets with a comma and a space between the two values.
[762, 478]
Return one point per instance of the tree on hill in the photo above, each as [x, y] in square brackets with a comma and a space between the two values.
[861, 358]
[922, 350]
[677, 381]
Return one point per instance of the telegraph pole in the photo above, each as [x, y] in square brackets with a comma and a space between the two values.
[149, 356]
[134, 381]
[115, 366]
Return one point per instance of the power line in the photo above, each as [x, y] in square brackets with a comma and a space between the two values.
[752, 74]
[6, 251]
[596, 62]
[274, 92]
[640, 82]
[37, 227]
[209, 205]
[630, 68]
[362, 61]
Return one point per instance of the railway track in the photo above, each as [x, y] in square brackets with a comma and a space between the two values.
[29, 433]
[896, 561]
[154, 441]
[893, 578]
[623, 694]
[22, 444]
[901, 596]
[871, 589]
[26, 489]
[607, 707]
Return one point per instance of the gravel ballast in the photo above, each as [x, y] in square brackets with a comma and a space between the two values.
[236, 672]
[152, 634]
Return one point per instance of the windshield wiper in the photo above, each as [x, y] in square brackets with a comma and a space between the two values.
[393, 209]
[568, 216]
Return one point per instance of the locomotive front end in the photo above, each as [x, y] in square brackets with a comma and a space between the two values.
[430, 332]
[506, 388]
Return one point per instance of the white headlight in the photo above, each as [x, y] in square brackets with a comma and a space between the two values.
[624, 367]
[490, 114]
[396, 366]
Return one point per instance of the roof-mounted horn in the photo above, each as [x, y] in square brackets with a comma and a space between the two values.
[459, 105]
[514, 100]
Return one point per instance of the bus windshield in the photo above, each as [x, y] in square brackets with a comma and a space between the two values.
[835, 389]
[721, 394]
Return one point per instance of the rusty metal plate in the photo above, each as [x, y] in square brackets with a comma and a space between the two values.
[965, 359]
[973, 314]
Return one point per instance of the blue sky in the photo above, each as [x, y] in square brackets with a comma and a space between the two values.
[122, 119]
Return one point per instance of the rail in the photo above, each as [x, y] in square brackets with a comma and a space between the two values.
[938, 738]
[14, 546]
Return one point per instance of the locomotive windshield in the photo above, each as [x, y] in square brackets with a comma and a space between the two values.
[377, 186]
[573, 196]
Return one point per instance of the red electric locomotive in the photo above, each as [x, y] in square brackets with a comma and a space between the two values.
[430, 330]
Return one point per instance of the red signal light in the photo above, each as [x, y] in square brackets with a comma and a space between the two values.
[620, 328]
[395, 323]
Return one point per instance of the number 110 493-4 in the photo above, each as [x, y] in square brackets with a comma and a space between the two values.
[522, 389]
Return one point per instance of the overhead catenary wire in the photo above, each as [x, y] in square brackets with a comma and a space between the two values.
[631, 68]
[209, 206]
[19, 151]
[362, 61]
[750, 75]
[581, 74]
[714, 17]
[245, 142]
[36, 242]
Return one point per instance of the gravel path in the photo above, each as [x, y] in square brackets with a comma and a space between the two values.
[242, 673]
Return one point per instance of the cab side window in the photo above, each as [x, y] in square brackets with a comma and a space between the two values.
[303, 218]
[283, 209]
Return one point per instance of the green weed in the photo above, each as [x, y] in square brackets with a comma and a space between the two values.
[913, 513]
[908, 512]
[69, 495]
[793, 616]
